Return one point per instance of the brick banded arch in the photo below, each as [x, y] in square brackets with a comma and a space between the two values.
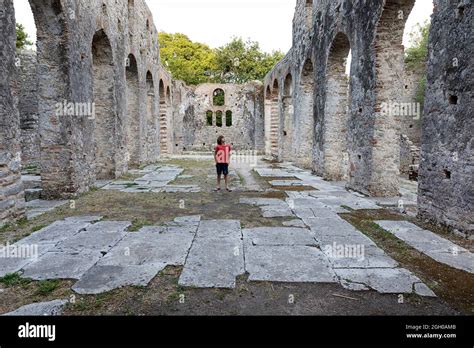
[275, 120]
[163, 118]
[332, 159]
[389, 65]
[151, 119]
[304, 134]
[287, 122]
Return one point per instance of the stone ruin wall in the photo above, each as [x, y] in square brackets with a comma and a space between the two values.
[446, 192]
[83, 46]
[27, 89]
[373, 32]
[191, 131]
[12, 199]
[83, 56]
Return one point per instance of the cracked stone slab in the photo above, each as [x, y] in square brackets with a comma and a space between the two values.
[276, 211]
[430, 244]
[277, 173]
[151, 246]
[9, 265]
[101, 237]
[52, 308]
[137, 259]
[85, 218]
[279, 236]
[216, 256]
[101, 279]
[296, 183]
[294, 223]
[188, 219]
[62, 265]
[358, 256]
[385, 280]
[263, 201]
[295, 264]
[56, 232]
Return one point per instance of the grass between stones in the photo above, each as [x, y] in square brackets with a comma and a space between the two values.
[454, 286]
[164, 296]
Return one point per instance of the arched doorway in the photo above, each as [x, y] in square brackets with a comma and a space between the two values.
[151, 120]
[303, 138]
[334, 159]
[133, 111]
[103, 85]
[275, 121]
[287, 131]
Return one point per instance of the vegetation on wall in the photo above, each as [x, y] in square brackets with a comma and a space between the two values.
[416, 57]
[22, 38]
[238, 61]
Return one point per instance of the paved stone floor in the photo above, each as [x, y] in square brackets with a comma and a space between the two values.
[313, 245]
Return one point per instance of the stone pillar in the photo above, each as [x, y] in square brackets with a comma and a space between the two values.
[446, 176]
[12, 201]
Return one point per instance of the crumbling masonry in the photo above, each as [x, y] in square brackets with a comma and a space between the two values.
[95, 101]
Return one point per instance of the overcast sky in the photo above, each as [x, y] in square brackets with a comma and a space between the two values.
[215, 22]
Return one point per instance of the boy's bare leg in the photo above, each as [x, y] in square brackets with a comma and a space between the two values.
[218, 182]
[226, 178]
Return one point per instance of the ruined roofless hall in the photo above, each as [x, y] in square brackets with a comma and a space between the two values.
[105, 54]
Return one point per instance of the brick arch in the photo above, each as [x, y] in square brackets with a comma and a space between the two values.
[389, 72]
[53, 86]
[303, 136]
[151, 119]
[286, 133]
[275, 120]
[163, 118]
[333, 158]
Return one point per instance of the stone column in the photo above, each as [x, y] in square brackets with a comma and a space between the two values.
[12, 201]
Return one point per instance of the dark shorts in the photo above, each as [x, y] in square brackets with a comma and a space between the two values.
[222, 168]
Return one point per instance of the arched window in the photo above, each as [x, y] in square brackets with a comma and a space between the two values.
[228, 118]
[219, 118]
[209, 115]
[219, 97]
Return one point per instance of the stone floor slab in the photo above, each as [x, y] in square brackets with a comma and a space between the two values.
[62, 265]
[101, 279]
[279, 236]
[52, 308]
[56, 232]
[385, 281]
[216, 256]
[293, 264]
[358, 256]
[429, 243]
[100, 237]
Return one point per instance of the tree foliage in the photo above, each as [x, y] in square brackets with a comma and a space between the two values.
[238, 61]
[416, 57]
[189, 61]
[22, 37]
[242, 61]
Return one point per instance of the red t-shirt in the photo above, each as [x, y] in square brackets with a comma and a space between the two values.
[223, 154]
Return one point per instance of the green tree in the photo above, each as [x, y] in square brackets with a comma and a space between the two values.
[22, 37]
[242, 61]
[416, 57]
[189, 61]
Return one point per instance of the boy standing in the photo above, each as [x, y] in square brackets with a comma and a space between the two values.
[222, 158]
